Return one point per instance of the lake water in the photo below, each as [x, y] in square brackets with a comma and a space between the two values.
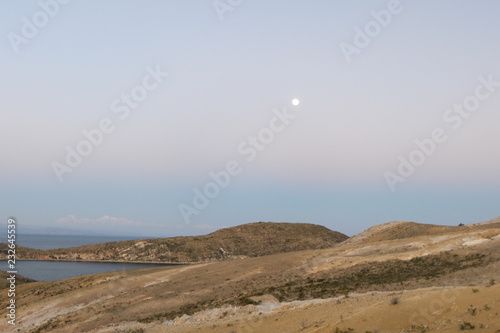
[56, 270]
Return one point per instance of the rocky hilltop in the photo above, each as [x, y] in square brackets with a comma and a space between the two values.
[247, 240]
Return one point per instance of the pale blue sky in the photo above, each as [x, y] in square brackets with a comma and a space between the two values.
[225, 78]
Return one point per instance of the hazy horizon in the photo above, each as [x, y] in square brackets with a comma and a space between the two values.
[33, 230]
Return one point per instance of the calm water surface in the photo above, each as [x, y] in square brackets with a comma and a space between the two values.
[56, 270]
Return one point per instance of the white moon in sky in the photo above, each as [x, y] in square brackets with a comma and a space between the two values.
[295, 101]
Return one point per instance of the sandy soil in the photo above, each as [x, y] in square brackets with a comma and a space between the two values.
[442, 309]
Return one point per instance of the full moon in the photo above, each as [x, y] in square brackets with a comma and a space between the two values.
[295, 101]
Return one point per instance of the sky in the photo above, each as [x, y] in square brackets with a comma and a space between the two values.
[164, 118]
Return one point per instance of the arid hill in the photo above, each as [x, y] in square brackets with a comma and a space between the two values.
[26, 251]
[248, 240]
[4, 283]
[444, 281]
[401, 229]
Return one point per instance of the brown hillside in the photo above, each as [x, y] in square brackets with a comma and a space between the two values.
[26, 251]
[248, 240]
[416, 284]
[4, 283]
[401, 229]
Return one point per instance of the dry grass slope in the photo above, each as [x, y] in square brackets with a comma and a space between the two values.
[400, 277]
[4, 283]
[401, 229]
